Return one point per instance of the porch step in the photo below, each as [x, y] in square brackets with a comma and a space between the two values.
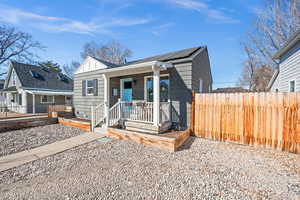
[100, 130]
[145, 127]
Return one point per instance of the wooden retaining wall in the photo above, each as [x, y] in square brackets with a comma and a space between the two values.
[264, 119]
[75, 123]
[170, 142]
[25, 122]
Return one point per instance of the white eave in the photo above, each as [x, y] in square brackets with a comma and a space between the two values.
[48, 92]
[137, 68]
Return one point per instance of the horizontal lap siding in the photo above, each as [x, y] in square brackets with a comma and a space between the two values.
[289, 70]
[82, 104]
[180, 92]
[201, 69]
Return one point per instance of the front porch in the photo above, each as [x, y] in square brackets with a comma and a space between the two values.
[135, 99]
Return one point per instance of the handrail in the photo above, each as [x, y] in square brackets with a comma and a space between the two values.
[115, 114]
[165, 112]
[97, 115]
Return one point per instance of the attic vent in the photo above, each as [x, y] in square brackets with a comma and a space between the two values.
[62, 77]
[34, 74]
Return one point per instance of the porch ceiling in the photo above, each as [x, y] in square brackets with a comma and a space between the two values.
[137, 68]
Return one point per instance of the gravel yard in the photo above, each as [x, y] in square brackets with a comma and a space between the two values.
[124, 170]
[24, 139]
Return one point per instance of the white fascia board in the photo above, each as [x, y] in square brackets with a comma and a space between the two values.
[151, 64]
[48, 92]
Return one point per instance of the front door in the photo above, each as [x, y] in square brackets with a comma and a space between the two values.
[126, 89]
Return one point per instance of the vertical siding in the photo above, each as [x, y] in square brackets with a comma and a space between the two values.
[82, 104]
[289, 69]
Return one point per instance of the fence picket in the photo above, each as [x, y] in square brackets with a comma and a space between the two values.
[264, 119]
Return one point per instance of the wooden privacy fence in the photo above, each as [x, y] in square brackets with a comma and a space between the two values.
[58, 108]
[265, 119]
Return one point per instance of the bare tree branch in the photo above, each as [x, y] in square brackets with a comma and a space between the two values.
[113, 52]
[16, 44]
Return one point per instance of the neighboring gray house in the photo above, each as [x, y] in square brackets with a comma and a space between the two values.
[286, 77]
[31, 89]
[149, 91]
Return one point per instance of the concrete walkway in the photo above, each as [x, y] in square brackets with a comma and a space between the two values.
[17, 159]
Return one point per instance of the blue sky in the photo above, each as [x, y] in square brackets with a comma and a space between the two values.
[147, 27]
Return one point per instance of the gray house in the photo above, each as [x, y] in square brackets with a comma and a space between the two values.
[286, 77]
[31, 89]
[152, 93]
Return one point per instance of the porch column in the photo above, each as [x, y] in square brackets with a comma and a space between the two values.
[106, 98]
[156, 97]
[33, 103]
[24, 102]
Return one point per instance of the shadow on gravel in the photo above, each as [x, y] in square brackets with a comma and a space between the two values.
[187, 144]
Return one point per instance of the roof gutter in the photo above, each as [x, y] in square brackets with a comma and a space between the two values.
[287, 46]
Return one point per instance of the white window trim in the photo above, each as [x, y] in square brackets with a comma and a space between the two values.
[86, 88]
[145, 85]
[294, 85]
[41, 99]
[122, 81]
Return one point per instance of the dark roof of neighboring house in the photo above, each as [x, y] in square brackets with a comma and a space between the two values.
[230, 90]
[294, 39]
[46, 78]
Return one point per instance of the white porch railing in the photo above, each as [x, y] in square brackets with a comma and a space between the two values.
[115, 114]
[139, 111]
[97, 115]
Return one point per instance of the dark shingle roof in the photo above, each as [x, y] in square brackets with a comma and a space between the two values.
[48, 78]
[185, 53]
[108, 64]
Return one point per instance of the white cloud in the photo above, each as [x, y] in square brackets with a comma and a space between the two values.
[213, 14]
[158, 30]
[59, 24]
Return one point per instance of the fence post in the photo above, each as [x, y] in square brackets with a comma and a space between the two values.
[192, 122]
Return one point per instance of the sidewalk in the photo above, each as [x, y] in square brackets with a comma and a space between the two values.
[17, 159]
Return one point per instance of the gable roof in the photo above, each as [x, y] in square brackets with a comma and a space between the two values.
[48, 78]
[294, 39]
[108, 64]
[185, 53]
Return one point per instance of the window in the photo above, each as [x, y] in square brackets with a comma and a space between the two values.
[164, 88]
[89, 87]
[20, 99]
[13, 75]
[200, 85]
[47, 99]
[292, 86]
